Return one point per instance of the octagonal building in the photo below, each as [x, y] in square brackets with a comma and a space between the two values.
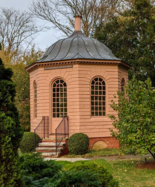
[71, 88]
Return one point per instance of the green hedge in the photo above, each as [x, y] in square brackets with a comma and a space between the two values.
[27, 142]
[78, 144]
[39, 173]
[103, 175]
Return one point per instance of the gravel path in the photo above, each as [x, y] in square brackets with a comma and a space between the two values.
[125, 157]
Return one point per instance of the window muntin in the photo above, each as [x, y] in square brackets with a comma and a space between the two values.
[35, 99]
[59, 98]
[98, 97]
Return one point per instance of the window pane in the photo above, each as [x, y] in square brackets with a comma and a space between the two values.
[35, 99]
[98, 96]
[59, 98]
[96, 103]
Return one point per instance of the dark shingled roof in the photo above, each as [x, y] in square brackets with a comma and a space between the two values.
[77, 46]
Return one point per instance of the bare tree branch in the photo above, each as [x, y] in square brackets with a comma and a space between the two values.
[61, 13]
[16, 29]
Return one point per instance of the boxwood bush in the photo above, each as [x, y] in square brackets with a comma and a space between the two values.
[103, 176]
[27, 142]
[78, 144]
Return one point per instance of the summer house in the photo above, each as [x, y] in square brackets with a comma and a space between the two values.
[71, 88]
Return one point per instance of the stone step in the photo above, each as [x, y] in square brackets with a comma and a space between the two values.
[50, 144]
[50, 149]
[53, 139]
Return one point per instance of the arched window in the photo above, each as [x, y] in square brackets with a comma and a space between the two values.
[98, 97]
[59, 98]
[122, 85]
[35, 99]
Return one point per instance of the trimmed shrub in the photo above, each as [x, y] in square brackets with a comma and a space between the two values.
[77, 179]
[39, 173]
[103, 176]
[36, 172]
[27, 142]
[78, 144]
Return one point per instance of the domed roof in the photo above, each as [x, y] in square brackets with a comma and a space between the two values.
[77, 46]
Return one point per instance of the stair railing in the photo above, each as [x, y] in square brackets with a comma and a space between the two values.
[42, 130]
[62, 131]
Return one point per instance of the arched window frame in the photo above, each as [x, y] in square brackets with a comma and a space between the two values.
[59, 98]
[98, 97]
[35, 99]
[122, 85]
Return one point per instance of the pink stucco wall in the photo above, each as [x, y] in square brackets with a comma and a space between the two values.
[78, 79]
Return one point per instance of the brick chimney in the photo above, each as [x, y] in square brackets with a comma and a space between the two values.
[78, 23]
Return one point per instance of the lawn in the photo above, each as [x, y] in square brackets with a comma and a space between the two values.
[124, 171]
[100, 153]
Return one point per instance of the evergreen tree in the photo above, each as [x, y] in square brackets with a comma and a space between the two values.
[131, 38]
[10, 131]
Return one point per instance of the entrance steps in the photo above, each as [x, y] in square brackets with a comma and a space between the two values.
[47, 147]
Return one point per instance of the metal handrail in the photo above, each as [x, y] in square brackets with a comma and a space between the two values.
[64, 128]
[42, 129]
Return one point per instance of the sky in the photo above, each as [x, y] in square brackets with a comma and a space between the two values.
[44, 39]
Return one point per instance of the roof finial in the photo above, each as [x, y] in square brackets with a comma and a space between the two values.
[78, 22]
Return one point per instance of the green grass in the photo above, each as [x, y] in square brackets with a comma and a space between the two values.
[100, 153]
[124, 172]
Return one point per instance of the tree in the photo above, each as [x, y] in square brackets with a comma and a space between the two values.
[16, 29]
[21, 79]
[135, 123]
[131, 38]
[10, 131]
[61, 13]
